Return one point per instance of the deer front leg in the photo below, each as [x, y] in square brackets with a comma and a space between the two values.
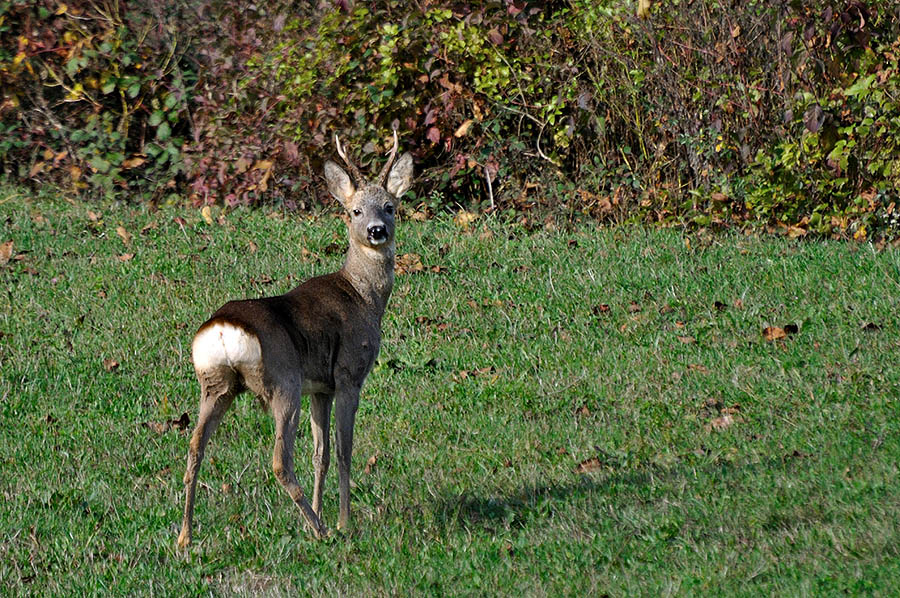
[213, 405]
[346, 403]
[320, 419]
[285, 410]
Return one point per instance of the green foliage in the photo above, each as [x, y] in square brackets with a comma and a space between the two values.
[94, 99]
[840, 166]
[775, 113]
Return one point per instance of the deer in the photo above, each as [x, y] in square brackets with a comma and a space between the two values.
[320, 340]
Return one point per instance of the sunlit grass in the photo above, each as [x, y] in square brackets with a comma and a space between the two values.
[571, 413]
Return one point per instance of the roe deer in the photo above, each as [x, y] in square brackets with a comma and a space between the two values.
[320, 339]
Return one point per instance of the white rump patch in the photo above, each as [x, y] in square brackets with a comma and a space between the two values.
[225, 345]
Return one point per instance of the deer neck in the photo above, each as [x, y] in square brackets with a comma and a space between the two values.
[371, 272]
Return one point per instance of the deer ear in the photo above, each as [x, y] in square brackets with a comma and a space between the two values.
[401, 176]
[339, 184]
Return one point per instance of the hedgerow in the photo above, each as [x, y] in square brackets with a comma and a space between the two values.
[770, 112]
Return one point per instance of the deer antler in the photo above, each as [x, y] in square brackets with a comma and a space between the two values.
[382, 178]
[354, 171]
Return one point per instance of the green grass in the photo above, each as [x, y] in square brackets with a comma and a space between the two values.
[497, 378]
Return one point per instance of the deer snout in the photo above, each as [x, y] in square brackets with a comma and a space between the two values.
[377, 233]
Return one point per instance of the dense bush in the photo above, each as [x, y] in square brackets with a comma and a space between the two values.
[94, 96]
[776, 112]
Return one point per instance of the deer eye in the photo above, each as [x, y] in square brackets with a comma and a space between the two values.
[357, 211]
[389, 208]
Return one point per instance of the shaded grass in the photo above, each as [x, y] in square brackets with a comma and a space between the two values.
[498, 377]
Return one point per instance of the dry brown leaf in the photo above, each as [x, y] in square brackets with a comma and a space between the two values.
[206, 212]
[6, 252]
[687, 340]
[633, 307]
[94, 216]
[774, 333]
[123, 234]
[370, 464]
[463, 128]
[463, 218]
[133, 162]
[253, 247]
[110, 365]
[126, 257]
[722, 423]
[589, 465]
[408, 263]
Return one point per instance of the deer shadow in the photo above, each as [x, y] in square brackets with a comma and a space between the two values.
[514, 509]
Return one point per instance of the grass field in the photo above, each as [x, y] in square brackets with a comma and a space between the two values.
[586, 412]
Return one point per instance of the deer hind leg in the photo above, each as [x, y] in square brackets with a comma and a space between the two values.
[320, 419]
[216, 395]
[346, 403]
[285, 405]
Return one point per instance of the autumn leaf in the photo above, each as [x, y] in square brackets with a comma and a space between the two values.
[589, 465]
[6, 252]
[370, 464]
[133, 162]
[463, 218]
[124, 235]
[774, 333]
[206, 212]
[463, 128]
[408, 263]
[110, 365]
[126, 257]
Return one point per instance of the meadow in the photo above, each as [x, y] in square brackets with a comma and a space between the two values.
[584, 411]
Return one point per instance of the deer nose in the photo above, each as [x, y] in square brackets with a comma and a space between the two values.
[377, 232]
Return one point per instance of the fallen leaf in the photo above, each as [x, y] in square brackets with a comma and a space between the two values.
[206, 212]
[583, 411]
[370, 464]
[408, 263]
[133, 162]
[94, 216]
[463, 128]
[125, 257]
[772, 333]
[182, 422]
[110, 365]
[633, 307]
[698, 368]
[687, 340]
[6, 252]
[600, 309]
[722, 423]
[148, 227]
[463, 218]
[738, 304]
[589, 465]
[123, 234]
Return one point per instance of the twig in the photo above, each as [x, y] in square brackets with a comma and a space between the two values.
[487, 176]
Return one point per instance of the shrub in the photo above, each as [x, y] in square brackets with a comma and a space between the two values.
[94, 97]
